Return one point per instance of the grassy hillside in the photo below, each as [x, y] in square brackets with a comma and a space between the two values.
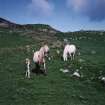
[56, 88]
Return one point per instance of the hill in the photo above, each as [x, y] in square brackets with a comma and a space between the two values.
[37, 27]
[40, 32]
[56, 88]
[7, 24]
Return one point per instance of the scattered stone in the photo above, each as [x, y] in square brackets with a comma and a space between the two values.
[93, 52]
[49, 58]
[81, 60]
[79, 53]
[64, 70]
[81, 67]
[65, 40]
[102, 79]
[76, 74]
[28, 48]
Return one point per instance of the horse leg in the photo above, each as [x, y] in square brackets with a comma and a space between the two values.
[63, 57]
[37, 69]
[66, 57]
[44, 64]
[28, 74]
[73, 55]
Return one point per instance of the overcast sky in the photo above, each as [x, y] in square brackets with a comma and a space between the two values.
[64, 15]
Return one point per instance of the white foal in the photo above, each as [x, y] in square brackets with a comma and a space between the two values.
[28, 67]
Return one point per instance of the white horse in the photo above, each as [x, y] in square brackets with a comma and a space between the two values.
[69, 49]
[39, 56]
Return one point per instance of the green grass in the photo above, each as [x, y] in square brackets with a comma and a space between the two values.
[56, 88]
[13, 39]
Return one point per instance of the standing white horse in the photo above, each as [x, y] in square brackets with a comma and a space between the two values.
[39, 56]
[69, 50]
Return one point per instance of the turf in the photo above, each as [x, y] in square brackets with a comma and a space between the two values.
[56, 88]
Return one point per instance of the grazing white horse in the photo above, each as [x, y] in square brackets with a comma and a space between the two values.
[69, 50]
[39, 56]
[28, 67]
